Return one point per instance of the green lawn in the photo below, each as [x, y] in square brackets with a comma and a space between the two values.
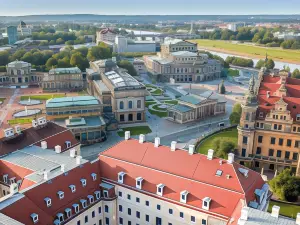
[249, 50]
[20, 121]
[233, 73]
[157, 108]
[229, 135]
[287, 210]
[172, 102]
[135, 130]
[148, 103]
[160, 114]
[157, 92]
[42, 97]
[2, 99]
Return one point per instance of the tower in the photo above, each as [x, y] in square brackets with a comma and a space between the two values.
[246, 128]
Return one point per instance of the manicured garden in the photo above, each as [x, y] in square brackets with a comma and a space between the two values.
[159, 114]
[287, 210]
[42, 97]
[135, 130]
[20, 121]
[148, 103]
[171, 102]
[228, 135]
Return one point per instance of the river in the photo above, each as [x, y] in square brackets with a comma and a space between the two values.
[278, 64]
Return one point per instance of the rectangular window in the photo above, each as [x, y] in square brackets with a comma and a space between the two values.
[245, 140]
[289, 142]
[158, 207]
[258, 150]
[147, 203]
[129, 211]
[295, 156]
[275, 126]
[193, 219]
[243, 152]
[106, 221]
[147, 218]
[120, 208]
[260, 139]
[271, 152]
[203, 222]
[120, 220]
[287, 155]
[137, 199]
[280, 142]
[278, 154]
[128, 197]
[86, 219]
[93, 214]
[273, 140]
[138, 214]
[181, 215]
[99, 210]
[294, 129]
[279, 127]
[171, 211]
[120, 193]
[296, 144]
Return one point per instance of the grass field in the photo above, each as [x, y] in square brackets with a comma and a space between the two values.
[159, 114]
[148, 103]
[42, 97]
[172, 102]
[229, 135]
[20, 121]
[285, 209]
[135, 130]
[292, 56]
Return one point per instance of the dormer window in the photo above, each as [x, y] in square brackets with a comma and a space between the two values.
[83, 203]
[205, 203]
[298, 117]
[68, 144]
[83, 182]
[91, 199]
[61, 194]
[139, 181]
[94, 176]
[73, 188]
[68, 212]
[121, 177]
[261, 114]
[48, 201]
[183, 196]
[60, 217]
[105, 194]
[34, 217]
[76, 208]
[5, 178]
[160, 189]
[97, 194]
[12, 180]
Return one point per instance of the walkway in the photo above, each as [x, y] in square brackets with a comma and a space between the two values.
[7, 107]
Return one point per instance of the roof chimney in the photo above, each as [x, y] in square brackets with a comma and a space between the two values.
[142, 138]
[244, 213]
[127, 135]
[78, 160]
[62, 167]
[298, 219]
[210, 154]
[72, 152]
[46, 175]
[44, 144]
[230, 158]
[275, 211]
[191, 149]
[57, 149]
[156, 142]
[173, 146]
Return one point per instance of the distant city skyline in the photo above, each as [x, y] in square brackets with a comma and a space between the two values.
[153, 7]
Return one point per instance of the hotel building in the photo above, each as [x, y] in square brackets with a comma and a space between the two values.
[269, 131]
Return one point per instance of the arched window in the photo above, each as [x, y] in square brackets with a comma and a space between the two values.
[121, 105]
[130, 105]
[139, 104]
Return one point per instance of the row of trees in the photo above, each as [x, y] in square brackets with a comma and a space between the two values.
[237, 61]
[269, 64]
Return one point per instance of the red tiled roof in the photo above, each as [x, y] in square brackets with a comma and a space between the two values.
[179, 171]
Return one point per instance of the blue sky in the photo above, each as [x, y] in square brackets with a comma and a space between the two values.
[144, 7]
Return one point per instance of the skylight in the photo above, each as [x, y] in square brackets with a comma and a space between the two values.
[219, 173]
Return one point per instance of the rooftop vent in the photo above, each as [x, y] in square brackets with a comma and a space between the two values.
[72, 152]
[58, 149]
[34, 217]
[44, 144]
[230, 158]
[78, 160]
[127, 135]
[46, 173]
[173, 146]
[142, 138]
[62, 168]
[210, 154]
[156, 142]
[191, 149]
[275, 211]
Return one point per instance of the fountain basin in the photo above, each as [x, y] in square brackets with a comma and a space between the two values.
[31, 102]
[25, 113]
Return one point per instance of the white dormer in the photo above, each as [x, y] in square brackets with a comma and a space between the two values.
[60, 217]
[94, 176]
[68, 144]
[97, 194]
[12, 180]
[19, 182]
[5, 178]
[48, 201]
[83, 203]
[73, 188]
[42, 121]
[105, 194]
[76, 208]
[183, 196]
[34, 123]
[34, 217]
[68, 212]
[91, 199]
[121, 177]
[206, 203]
[18, 129]
[9, 132]
[61, 194]
[83, 182]
[160, 189]
[139, 181]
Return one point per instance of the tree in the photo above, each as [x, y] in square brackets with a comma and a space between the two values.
[52, 42]
[296, 74]
[99, 52]
[237, 108]
[28, 57]
[83, 50]
[125, 64]
[222, 89]
[52, 62]
[260, 64]
[78, 60]
[17, 55]
[222, 147]
[270, 64]
[4, 58]
[286, 186]
[71, 42]
[60, 41]
[287, 68]
[234, 118]
[64, 63]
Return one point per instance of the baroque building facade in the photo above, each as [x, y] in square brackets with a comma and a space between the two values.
[269, 129]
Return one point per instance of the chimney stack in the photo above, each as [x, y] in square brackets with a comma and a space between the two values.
[275, 211]
[127, 135]
[173, 146]
[230, 158]
[78, 160]
[156, 142]
[298, 219]
[46, 175]
[62, 167]
[191, 149]
[142, 138]
[44, 144]
[244, 213]
[210, 154]
[72, 152]
[58, 149]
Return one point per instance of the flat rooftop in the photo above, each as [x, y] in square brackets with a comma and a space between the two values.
[90, 121]
[72, 101]
[71, 70]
